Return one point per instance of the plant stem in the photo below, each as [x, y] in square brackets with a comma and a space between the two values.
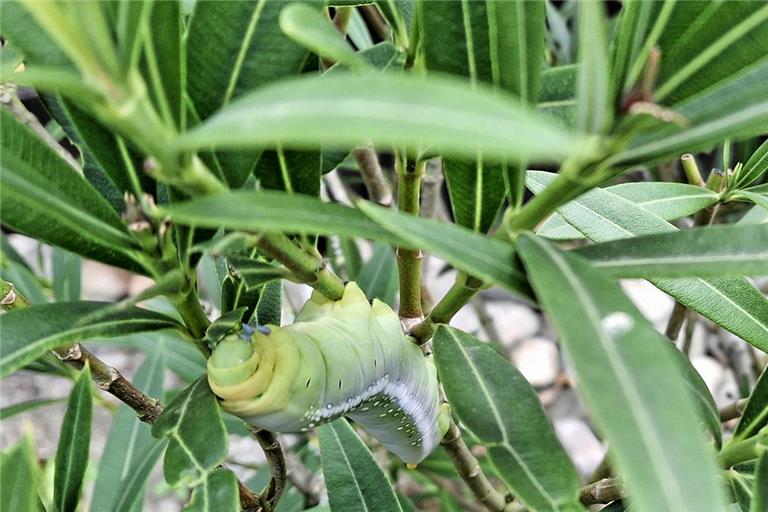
[745, 450]
[307, 268]
[107, 378]
[602, 491]
[559, 192]
[274, 454]
[469, 470]
[194, 317]
[733, 410]
[409, 176]
[373, 177]
[463, 289]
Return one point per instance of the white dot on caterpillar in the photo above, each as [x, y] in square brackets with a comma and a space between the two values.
[329, 406]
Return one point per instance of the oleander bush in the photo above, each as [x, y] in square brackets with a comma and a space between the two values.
[223, 148]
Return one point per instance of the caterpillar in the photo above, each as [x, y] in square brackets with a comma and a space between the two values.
[339, 358]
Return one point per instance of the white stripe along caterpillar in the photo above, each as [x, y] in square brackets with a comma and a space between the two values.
[339, 358]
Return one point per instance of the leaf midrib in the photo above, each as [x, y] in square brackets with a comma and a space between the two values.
[635, 405]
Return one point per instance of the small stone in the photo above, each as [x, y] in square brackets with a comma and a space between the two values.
[580, 443]
[538, 360]
[654, 304]
[513, 321]
[102, 282]
[710, 370]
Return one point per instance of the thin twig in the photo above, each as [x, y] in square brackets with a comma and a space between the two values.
[10, 100]
[463, 289]
[107, 378]
[376, 184]
[602, 491]
[409, 174]
[274, 454]
[444, 483]
[733, 410]
[310, 484]
[469, 470]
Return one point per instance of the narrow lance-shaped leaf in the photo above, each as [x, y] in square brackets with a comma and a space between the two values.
[378, 277]
[42, 196]
[594, 108]
[438, 114]
[132, 487]
[232, 48]
[353, 477]
[756, 166]
[471, 252]
[669, 201]
[760, 486]
[19, 477]
[622, 363]
[718, 251]
[755, 415]
[496, 403]
[265, 211]
[308, 26]
[129, 439]
[74, 445]
[28, 333]
[732, 303]
[198, 439]
[218, 492]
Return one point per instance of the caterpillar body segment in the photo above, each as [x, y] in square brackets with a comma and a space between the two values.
[339, 358]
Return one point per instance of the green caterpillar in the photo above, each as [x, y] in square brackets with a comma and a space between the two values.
[339, 358]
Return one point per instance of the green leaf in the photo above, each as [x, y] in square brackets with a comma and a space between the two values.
[131, 488]
[760, 486]
[218, 493]
[292, 171]
[308, 26]
[128, 441]
[19, 477]
[496, 42]
[265, 211]
[74, 445]
[28, 405]
[594, 106]
[198, 439]
[716, 251]
[25, 282]
[255, 273]
[378, 277]
[353, 478]
[734, 108]
[163, 64]
[476, 190]
[18, 26]
[493, 399]
[438, 114]
[709, 414]
[43, 197]
[705, 43]
[468, 251]
[732, 303]
[234, 47]
[620, 361]
[269, 308]
[755, 415]
[29, 333]
[756, 166]
[557, 97]
[669, 201]
[66, 275]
